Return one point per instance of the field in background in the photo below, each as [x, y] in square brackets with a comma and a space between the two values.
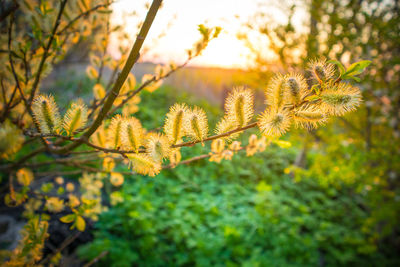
[211, 84]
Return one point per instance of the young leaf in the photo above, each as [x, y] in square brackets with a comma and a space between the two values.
[356, 68]
[80, 223]
[340, 66]
[68, 218]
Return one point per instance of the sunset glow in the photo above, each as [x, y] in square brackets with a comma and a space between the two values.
[179, 19]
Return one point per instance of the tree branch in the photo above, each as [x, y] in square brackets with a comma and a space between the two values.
[133, 56]
[251, 125]
[46, 51]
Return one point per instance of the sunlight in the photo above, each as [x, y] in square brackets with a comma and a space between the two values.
[226, 51]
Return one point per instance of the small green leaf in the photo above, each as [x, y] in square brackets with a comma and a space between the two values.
[68, 218]
[356, 68]
[340, 66]
[315, 88]
[203, 29]
[217, 31]
[312, 98]
[355, 78]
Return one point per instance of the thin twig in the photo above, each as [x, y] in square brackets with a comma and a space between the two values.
[131, 94]
[249, 126]
[65, 244]
[84, 14]
[132, 58]
[101, 255]
[46, 52]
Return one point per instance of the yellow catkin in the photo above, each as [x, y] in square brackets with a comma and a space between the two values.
[338, 99]
[100, 137]
[132, 134]
[226, 125]
[116, 179]
[115, 131]
[24, 176]
[173, 126]
[253, 140]
[296, 88]
[196, 124]
[108, 164]
[308, 118]
[217, 145]
[175, 157]
[144, 164]
[98, 91]
[92, 72]
[130, 82]
[75, 118]
[275, 92]
[274, 123]
[239, 106]
[235, 146]
[157, 146]
[321, 70]
[46, 114]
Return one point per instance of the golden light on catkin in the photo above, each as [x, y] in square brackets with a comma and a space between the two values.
[173, 126]
[196, 124]
[115, 130]
[132, 134]
[239, 106]
[144, 164]
[308, 118]
[296, 88]
[158, 146]
[75, 118]
[274, 122]
[46, 114]
[321, 70]
[275, 92]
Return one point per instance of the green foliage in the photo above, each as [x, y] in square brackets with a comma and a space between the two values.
[244, 212]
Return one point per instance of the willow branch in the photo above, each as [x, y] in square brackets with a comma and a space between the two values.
[58, 173]
[132, 58]
[145, 84]
[85, 141]
[96, 259]
[196, 158]
[84, 14]
[249, 126]
[46, 51]
[188, 161]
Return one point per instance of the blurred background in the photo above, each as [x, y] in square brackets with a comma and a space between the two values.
[330, 199]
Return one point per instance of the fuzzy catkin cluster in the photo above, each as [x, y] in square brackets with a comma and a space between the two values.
[47, 116]
[289, 98]
[291, 101]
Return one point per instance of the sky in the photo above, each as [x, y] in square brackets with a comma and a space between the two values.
[180, 18]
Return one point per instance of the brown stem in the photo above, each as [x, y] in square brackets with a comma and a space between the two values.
[132, 58]
[72, 22]
[251, 125]
[101, 255]
[145, 84]
[46, 51]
